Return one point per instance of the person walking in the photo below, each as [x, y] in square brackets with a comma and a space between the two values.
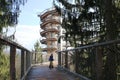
[51, 61]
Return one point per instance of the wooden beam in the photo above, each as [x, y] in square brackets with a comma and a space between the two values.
[99, 63]
[22, 63]
[76, 61]
[59, 58]
[12, 63]
[10, 42]
[66, 59]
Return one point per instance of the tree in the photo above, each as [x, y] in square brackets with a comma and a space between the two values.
[112, 16]
[101, 24]
[78, 21]
[9, 12]
[38, 54]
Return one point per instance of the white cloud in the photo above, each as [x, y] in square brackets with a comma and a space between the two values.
[27, 35]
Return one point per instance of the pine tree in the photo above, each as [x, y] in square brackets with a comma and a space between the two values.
[87, 26]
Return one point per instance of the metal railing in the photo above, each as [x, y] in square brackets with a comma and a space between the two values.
[25, 57]
[90, 61]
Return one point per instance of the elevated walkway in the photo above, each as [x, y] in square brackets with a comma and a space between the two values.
[42, 72]
[91, 59]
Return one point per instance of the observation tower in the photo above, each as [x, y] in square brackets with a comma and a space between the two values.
[50, 25]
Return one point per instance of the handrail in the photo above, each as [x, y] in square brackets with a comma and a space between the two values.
[93, 45]
[25, 55]
[91, 59]
[10, 42]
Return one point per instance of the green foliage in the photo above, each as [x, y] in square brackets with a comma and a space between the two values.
[39, 58]
[4, 66]
[38, 52]
[77, 21]
[9, 12]
[87, 27]
[37, 46]
[18, 65]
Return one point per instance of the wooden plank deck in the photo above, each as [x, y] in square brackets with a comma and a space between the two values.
[42, 72]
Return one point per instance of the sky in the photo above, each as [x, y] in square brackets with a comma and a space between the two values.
[28, 27]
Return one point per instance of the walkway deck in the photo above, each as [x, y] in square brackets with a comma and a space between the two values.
[42, 72]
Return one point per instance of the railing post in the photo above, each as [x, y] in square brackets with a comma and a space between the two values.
[99, 63]
[27, 57]
[35, 57]
[76, 61]
[31, 58]
[66, 59]
[59, 58]
[22, 63]
[62, 59]
[12, 63]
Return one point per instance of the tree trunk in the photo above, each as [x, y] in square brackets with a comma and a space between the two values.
[110, 67]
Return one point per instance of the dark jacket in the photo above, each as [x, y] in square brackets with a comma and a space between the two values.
[51, 58]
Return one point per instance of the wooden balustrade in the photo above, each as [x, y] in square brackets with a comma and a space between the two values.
[25, 58]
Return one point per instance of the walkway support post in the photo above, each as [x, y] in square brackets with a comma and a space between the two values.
[12, 62]
[76, 61]
[99, 63]
[22, 63]
[62, 60]
[27, 60]
[30, 58]
[59, 58]
[66, 59]
[27, 57]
